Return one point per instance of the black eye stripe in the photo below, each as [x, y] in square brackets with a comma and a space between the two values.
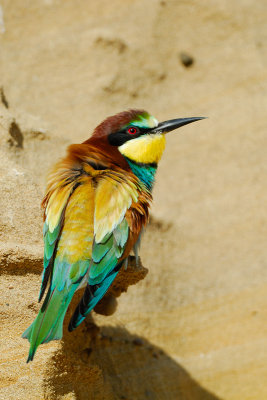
[118, 138]
[121, 137]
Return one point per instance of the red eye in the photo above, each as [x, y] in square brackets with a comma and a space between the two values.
[132, 130]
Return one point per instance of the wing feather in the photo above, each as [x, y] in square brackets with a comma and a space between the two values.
[113, 239]
[113, 198]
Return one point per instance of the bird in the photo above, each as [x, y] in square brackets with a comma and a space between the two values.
[96, 206]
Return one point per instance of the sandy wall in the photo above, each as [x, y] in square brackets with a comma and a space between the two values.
[195, 327]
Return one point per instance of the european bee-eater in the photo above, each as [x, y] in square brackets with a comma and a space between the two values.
[95, 206]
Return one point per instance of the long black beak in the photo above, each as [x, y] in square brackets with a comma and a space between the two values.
[167, 126]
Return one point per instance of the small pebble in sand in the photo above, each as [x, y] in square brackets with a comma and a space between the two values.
[186, 59]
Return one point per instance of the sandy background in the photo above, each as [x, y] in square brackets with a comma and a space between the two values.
[195, 327]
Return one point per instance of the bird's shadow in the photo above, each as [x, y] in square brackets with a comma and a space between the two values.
[111, 363]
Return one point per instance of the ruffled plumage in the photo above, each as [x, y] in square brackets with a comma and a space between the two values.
[94, 211]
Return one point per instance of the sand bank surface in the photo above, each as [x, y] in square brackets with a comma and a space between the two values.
[195, 327]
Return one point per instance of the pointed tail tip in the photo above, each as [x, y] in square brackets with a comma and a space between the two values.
[30, 356]
[28, 360]
[27, 335]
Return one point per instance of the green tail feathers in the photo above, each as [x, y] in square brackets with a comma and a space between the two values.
[48, 325]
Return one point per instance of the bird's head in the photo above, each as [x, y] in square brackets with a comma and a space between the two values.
[138, 135]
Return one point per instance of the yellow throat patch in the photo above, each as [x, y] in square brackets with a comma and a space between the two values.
[145, 149]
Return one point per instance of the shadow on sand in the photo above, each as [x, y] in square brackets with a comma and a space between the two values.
[111, 363]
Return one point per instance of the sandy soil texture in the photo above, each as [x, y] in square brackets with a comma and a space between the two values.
[195, 327]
